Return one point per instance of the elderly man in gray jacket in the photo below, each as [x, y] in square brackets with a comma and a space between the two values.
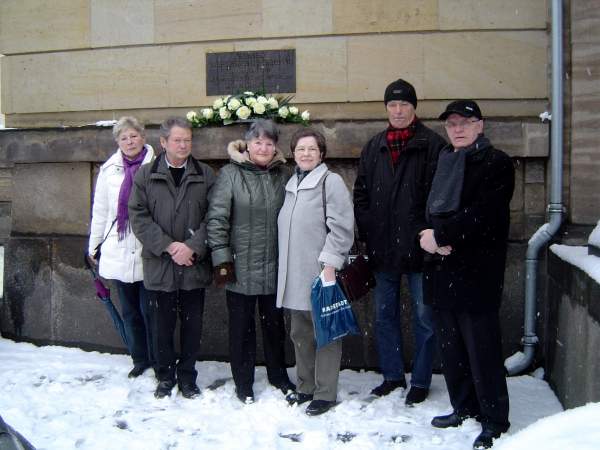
[167, 210]
[316, 231]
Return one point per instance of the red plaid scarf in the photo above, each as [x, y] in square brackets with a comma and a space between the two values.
[398, 138]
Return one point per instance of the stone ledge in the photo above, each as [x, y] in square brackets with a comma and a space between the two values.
[345, 140]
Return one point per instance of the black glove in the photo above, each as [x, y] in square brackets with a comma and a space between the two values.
[224, 273]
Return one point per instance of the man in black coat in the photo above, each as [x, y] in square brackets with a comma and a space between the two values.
[394, 175]
[468, 209]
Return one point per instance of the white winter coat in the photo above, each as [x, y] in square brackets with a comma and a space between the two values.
[304, 243]
[120, 260]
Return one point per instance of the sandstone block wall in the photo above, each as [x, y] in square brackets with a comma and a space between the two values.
[75, 62]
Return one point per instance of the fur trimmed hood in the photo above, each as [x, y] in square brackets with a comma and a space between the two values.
[238, 154]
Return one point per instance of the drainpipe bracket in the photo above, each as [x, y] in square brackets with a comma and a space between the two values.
[530, 340]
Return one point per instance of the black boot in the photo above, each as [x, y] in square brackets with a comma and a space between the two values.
[416, 395]
[164, 389]
[388, 386]
[297, 398]
[317, 407]
[486, 438]
[286, 387]
[189, 389]
[137, 370]
[245, 395]
[450, 420]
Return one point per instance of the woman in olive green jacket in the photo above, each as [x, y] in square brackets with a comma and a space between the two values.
[242, 234]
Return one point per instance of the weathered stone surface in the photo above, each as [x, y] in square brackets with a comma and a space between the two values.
[187, 74]
[26, 308]
[368, 52]
[535, 171]
[206, 20]
[377, 16]
[78, 317]
[289, 17]
[52, 198]
[5, 222]
[499, 64]
[516, 203]
[312, 56]
[584, 187]
[373, 110]
[35, 26]
[87, 80]
[344, 140]
[535, 198]
[5, 182]
[114, 22]
[585, 21]
[572, 334]
[536, 140]
[491, 14]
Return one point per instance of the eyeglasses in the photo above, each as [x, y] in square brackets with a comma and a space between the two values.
[450, 125]
[306, 150]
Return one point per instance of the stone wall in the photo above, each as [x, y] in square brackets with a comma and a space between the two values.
[45, 200]
[571, 337]
[585, 84]
[147, 57]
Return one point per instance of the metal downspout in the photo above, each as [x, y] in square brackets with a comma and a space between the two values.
[555, 209]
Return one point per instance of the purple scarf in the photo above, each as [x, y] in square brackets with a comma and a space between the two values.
[131, 167]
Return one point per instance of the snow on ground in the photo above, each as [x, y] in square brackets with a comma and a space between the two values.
[578, 256]
[65, 398]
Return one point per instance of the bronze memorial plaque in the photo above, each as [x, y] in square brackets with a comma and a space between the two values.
[269, 71]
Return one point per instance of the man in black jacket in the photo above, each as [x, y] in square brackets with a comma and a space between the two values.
[394, 175]
[469, 213]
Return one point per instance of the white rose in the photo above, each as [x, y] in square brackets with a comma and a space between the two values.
[293, 110]
[305, 115]
[283, 112]
[243, 112]
[224, 113]
[191, 116]
[207, 113]
[273, 102]
[233, 104]
[262, 100]
[259, 108]
[218, 103]
[250, 101]
[250, 93]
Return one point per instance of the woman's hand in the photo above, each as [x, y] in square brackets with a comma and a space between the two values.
[329, 273]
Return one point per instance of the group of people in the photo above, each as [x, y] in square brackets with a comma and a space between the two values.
[437, 213]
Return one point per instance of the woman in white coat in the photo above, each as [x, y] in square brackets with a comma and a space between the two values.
[310, 243]
[120, 259]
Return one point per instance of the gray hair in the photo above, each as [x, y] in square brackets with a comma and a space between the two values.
[262, 128]
[126, 123]
[168, 124]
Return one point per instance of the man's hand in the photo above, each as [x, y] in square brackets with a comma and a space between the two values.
[181, 254]
[429, 244]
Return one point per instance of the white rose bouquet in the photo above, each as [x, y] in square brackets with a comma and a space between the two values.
[247, 106]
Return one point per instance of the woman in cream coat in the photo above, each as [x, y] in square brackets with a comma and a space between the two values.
[308, 244]
[121, 259]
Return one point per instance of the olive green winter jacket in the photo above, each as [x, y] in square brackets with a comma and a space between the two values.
[242, 219]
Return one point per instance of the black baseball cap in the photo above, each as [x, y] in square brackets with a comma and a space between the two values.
[465, 108]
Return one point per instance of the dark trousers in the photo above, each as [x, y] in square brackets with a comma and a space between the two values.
[242, 338]
[471, 352]
[166, 307]
[137, 321]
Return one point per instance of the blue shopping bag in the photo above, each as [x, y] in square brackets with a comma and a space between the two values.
[332, 314]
